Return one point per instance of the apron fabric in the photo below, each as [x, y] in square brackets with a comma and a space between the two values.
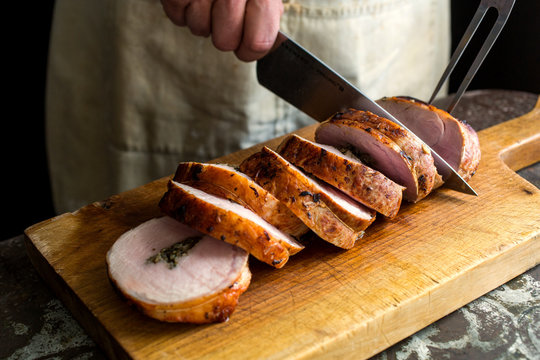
[129, 94]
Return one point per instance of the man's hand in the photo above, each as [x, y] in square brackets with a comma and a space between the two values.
[247, 27]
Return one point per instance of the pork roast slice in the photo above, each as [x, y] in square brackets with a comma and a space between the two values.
[373, 148]
[331, 214]
[367, 186]
[199, 281]
[454, 140]
[225, 181]
[420, 156]
[228, 221]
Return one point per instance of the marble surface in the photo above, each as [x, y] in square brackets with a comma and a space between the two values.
[503, 324]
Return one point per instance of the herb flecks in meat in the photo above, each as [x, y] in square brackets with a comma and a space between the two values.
[356, 154]
[171, 255]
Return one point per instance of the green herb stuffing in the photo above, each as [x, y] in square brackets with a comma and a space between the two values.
[172, 254]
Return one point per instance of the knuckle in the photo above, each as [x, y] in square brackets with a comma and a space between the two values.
[175, 10]
[224, 44]
[199, 31]
[259, 46]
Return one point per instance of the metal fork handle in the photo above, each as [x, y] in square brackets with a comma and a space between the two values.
[504, 7]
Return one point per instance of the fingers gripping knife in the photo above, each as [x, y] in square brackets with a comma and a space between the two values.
[297, 76]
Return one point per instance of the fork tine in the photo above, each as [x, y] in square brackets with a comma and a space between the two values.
[488, 43]
[471, 29]
[504, 7]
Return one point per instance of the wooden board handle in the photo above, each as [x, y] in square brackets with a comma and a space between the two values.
[517, 139]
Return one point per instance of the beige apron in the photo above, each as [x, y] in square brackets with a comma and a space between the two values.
[129, 94]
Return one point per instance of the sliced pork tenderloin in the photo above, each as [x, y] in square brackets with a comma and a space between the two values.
[344, 172]
[420, 156]
[454, 140]
[374, 149]
[225, 181]
[331, 214]
[230, 222]
[176, 274]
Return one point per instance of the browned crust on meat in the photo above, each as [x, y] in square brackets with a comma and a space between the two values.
[470, 158]
[411, 192]
[210, 309]
[224, 225]
[317, 210]
[227, 183]
[470, 153]
[423, 163]
[367, 186]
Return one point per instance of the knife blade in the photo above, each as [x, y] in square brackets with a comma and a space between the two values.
[300, 78]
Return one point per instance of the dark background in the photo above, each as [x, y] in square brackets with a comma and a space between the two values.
[513, 63]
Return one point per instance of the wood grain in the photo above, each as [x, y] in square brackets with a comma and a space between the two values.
[434, 257]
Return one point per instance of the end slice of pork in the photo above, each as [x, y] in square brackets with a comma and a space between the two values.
[360, 182]
[331, 214]
[454, 140]
[228, 221]
[203, 286]
[225, 181]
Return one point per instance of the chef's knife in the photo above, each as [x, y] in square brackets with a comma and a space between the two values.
[300, 78]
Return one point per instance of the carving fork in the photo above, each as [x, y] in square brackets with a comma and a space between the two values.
[504, 7]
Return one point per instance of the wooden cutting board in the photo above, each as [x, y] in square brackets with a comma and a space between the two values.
[434, 257]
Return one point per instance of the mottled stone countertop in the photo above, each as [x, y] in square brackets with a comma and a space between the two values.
[503, 324]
